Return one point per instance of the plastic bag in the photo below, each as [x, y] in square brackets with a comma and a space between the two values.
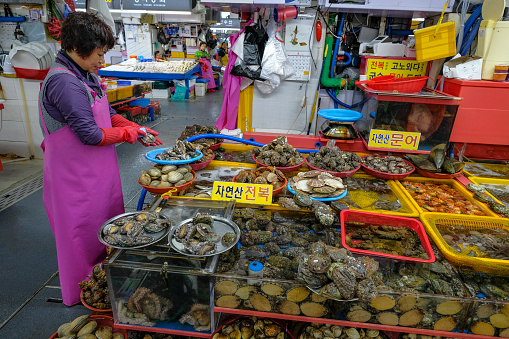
[275, 64]
[180, 93]
[254, 44]
[101, 8]
[34, 31]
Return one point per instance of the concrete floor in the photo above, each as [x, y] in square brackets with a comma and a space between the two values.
[30, 305]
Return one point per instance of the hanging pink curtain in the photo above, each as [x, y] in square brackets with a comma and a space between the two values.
[206, 72]
[231, 90]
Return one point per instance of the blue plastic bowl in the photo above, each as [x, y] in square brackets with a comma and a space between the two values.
[139, 102]
[320, 199]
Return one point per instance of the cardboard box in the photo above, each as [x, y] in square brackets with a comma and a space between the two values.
[463, 67]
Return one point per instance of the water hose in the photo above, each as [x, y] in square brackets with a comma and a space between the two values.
[325, 80]
[244, 141]
[336, 46]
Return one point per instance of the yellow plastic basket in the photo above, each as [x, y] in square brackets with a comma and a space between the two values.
[485, 170]
[124, 92]
[488, 182]
[112, 95]
[456, 185]
[429, 46]
[365, 199]
[434, 222]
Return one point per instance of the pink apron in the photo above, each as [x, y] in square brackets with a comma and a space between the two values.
[206, 72]
[81, 190]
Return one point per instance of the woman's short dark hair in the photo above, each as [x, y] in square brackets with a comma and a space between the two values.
[85, 32]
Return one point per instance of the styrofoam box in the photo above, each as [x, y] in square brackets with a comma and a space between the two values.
[200, 89]
[160, 93]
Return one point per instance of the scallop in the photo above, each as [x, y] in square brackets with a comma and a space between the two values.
[303, 186]
[334, 183]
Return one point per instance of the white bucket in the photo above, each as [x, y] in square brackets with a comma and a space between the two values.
[200, 89]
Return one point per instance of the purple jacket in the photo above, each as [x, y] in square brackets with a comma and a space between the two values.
[66, 100]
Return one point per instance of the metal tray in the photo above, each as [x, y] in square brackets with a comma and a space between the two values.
[156, 235]
[220, 226]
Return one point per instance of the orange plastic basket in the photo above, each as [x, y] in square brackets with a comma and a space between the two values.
[400, 85]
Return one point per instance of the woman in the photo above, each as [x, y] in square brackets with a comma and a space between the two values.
[81, 179]
[158, 56]
[223, 53]
[203, 57]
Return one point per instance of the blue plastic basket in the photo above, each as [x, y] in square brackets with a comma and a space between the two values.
[320, 199]
[140, 102]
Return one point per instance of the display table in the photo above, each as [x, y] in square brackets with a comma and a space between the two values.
[152, 76]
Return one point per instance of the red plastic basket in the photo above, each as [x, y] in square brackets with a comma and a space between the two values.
[215, 146]
[134, 110]
[336, 174]
[97, 310]
[437, 175]
[383, 219]
[281, 323]
[282, 169]
[201, 165]
[274, 191]
[400, 85]
[33, 74]
[385, 175]
[161, 190]
[102, 320]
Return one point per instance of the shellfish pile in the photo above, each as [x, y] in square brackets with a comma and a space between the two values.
[263, 175]
[278, 153]
[337, 274]
[95, 289]
[314, 331]
[183, 150]
[144, 307]
[390, 164]
[199, 238]
[198, 316]
[251, 327]
[166, 176]
[133, 230]
[332, 159]
[317, 184]
[208, 154]
[84, 327]
[196, 129]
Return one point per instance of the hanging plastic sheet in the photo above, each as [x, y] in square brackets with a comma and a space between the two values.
[275, 64]
[254, 44]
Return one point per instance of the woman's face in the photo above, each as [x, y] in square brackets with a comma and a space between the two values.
[91, 63]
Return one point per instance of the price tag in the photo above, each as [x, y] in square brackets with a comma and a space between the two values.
[244, 193]
[394, 139]
[397, 68]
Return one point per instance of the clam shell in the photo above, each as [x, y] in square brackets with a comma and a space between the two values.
[87, 336]
[64, 330]
[105, 332]
[303, 186]
[117, 336]
[175, 176]
[182, 170]
[89, 328]
[164, 184]
[336, 183]
[78, 323]
[188, 177]
[180, 182]
[145, 179]
[316, 182]
[168, 168]
[154, 173]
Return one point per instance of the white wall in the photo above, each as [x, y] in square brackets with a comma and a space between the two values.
[14, 136]
[276, 112]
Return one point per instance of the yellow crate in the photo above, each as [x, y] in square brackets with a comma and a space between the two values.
[487, 182]
[178, 54]
[485, 170]
[112, 95]
[430, 47]
[124, 92]
[433, 222]
[365, 199]
[456, 185]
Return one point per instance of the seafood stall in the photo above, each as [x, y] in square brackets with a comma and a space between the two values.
[359, 245]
